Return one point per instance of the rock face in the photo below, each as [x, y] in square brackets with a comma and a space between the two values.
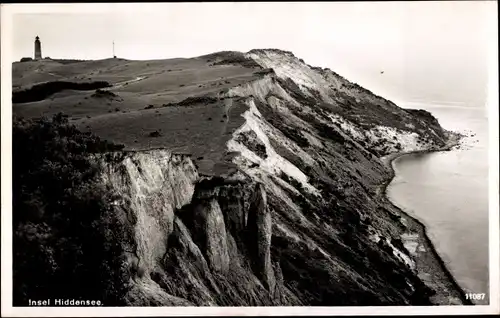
[299, 223]
[259, 229]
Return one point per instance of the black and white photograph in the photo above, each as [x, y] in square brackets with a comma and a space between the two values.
[250, 158]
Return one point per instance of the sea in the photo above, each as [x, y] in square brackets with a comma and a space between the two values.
[448, 192]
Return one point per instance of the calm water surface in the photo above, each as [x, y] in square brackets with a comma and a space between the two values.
[448, 192]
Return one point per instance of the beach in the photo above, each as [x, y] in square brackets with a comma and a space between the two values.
[430, 267]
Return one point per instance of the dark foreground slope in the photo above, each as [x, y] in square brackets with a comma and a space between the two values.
[246, 179]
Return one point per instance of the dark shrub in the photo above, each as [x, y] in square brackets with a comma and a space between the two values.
[155, 133]
[61, 216]
[44, 90]
[235, 58]
[328, 132]
[251, 141]
[198, 100]
[99, 93]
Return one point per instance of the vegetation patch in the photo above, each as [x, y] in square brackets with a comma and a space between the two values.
[429, 119]
[69, 61]
[155, 133]
[291, 133]
[66, 238]
[100, 93]
[295, 91]
[198, 100]
[234, 58]
[328, 132]
[265, 71]
[252, 142]
[42, 91]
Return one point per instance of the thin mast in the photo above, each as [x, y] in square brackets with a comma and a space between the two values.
[113, 48]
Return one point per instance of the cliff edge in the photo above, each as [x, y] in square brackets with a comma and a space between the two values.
[245, 179]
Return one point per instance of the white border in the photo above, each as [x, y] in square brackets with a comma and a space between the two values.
[493, 148]
[7, 12]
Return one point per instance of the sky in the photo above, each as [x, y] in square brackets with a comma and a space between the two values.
[428, 51]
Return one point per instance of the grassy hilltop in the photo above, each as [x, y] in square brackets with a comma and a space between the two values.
[139, 103]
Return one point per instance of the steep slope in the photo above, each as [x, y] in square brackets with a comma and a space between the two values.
[293, 214]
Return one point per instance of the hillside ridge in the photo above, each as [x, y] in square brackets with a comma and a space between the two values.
[250, 179]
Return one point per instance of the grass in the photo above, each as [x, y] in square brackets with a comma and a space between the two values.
[130, 112]
[185, 129]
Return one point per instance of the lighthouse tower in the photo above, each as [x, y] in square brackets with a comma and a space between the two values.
[38, 49]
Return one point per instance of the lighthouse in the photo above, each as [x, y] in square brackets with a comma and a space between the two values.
[38, 49]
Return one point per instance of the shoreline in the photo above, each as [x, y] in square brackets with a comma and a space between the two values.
[421, 228]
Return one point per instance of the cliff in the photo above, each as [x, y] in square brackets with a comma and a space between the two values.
[276, 203]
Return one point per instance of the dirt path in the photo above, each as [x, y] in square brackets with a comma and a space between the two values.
[121, 84]
[49, 73]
